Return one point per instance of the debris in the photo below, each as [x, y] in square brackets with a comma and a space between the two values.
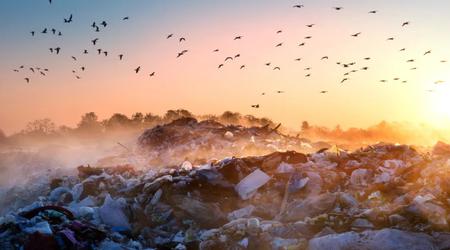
[248, 186]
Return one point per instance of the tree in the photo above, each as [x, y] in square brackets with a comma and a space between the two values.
[118, 120]
[305, 126]
[40, 127]
[89, 123]
[137, 118]
[172, 115]
[150, 118]
[230, 117]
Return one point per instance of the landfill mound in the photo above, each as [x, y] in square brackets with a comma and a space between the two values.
[199, 142]
[380, 197]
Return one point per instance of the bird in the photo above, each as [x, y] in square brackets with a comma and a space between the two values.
[364, 68]
[220, 65]
[32, 70]
[15, 70]
[228, 58]
[255, 106]
[32, 33]
[169, 36]
[44, 31]
[279, 31]
[343, 80]
[105, 53]
[237, 37]
[68, 20]
[308, 37]
[42, 73]
[307, 75]
[324, 57]
[182, 39]
[310, 25]
[94, 25]
[267, 64]
[390, 39]
[279, 45]
[403, 49]
[413, 68]
[410, 61]
[404, 24]
[356, 34]
[59, 33]
[50, 1]
[383, 81]
[298, 59]
[99, 51]
[338, 8]
[78, 77]
[104, 24]
[263, 93]
[373, 11]
[237, 55]
[57, 49]
[242, 67]
[126, 18]
[152, 74]
[85, 51]
[216, 50]
[94, 42]
[280, 92]
[82, 68]
[427, 52]
[27, 79]
[404, 81]
[180, 54]
[299, 6]
[54, 31]
[396, 79]
[120, 57]
[323, 91]
[97, 29]
[277, 68]
[74, 58]
[137, 69]
[367, 58]
[301, 44]
[51, 50]
[308, 68]
[73, 71]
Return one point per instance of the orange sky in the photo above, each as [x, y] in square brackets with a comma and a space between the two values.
[193, 81]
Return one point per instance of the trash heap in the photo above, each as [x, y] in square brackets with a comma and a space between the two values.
[380, 197]
[189, 139]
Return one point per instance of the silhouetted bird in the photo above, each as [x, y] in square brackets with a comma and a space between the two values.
[373, 11]
[57, 49]
[54, 31]
[324, 57]
[216, 50]
[42, 73]
[301, 44]
[308, 37]
[94, 42]
[228, 58]
[367, 58]
[307, 75]
[59, 33]
[338, 8]
[120, 57]
[238, 38]
[32, 33]
[126, 18]
[99, 51]
[51, 50]
[280, 92]
[323, 91]
[169, 36]
[343, 80]
[277, 68]
[32, 70]
[237, 55]
[15, 70]
[405, 23]
[410, 60]
[403, 49]
[310, 25]
[182, 39]
[220, 66]
[443, 61]
[383, 81]
[44, 31]
[152, 74]
[268, 64]
[364, 68]
[280, 31]
[242, 67]
[97, 29]
[27, 79]
[298, 59]
[390, 39]
[299, 6]
[427, 52]
[356, 34]
[255, 106]
[279, 45]
[137, 69]
[105, 53]
[68, 20]
[104, 24]
[78, 77]
[74, 58]
[85, 51]
[82, 68]
[94, 25]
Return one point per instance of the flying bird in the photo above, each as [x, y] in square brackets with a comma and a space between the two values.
[59, 33]
[343, 80]
[324, 57]
[280, 31]
[390, 39]
[44, 31]
[57, 49]
[310, 25]
[169, 36]
[182, 39]
[120, 57]
[338, 8]
[152, 74]
[74, 58]
[301, 44]
[104, 24]
[238, 38]
[82, 68]
[220, 65]
[403, 49]
[228, 58]
[298, 59]
[137, 69]
[427, 52]
[105, 53]
[99, 51]
[323, 91]
[410, 61]
[255, 106]
[126, 18]
[32, 70]
[85, 51]
[42, 73]
[279, 45]
[277, 68]
[308, 37]
[242, 67]
[356, 34]
[94, 42]
[404, 24]
[68, 20]
[54, 31]
[367, 58]
[268, 64]
[307, 75]
[27, 79]
[237, 55]
[216, 50]
[299, 6]
[373, 11]
[32, 33]
[364, 68]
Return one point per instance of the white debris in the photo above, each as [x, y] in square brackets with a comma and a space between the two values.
[248, 186]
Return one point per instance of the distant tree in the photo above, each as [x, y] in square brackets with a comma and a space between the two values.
[150, 118]
[172, 115]
[137, 118]
[40, 127]
[118, 120]
[89, 123]
[230, 117]
[305, 125]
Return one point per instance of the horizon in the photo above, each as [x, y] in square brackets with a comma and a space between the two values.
[193, 81]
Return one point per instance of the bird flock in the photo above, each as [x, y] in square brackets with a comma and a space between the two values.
[351, 67]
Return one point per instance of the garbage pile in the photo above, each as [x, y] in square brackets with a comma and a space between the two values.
[189, 139]
[380, 197]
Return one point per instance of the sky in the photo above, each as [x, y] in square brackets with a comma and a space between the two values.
[194, 81]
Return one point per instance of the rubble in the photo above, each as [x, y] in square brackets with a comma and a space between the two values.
[380, 197]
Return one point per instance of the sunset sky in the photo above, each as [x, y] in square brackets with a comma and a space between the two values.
[194, 81]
